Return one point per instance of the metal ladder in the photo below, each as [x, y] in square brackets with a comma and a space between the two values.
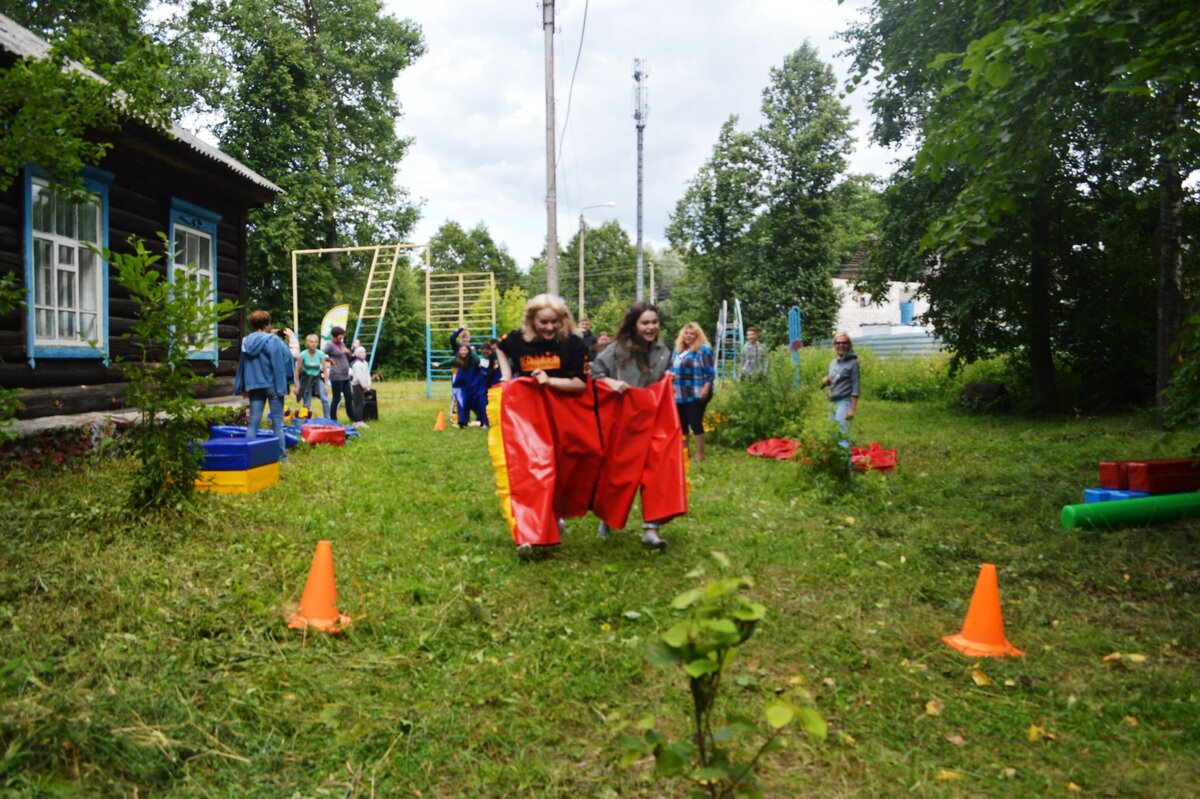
[375, 298]
[729, 340]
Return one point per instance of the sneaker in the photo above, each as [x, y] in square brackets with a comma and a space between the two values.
[562, 526]
[650, 537]
[363, 425]
[603, 531]
[525, 551]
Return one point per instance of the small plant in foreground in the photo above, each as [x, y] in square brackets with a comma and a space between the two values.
[720, 619]
[174, 320]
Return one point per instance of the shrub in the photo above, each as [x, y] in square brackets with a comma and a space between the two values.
[720, 620]
[174, 319]
[764, 407]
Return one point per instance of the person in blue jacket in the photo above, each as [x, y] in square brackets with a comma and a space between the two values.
[465, 385]
[265, 370]
[489, 370]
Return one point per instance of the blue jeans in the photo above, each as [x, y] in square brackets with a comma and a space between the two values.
[258, 399]
[841, 407]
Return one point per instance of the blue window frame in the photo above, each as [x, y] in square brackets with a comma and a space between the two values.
[66, 281]
[193, 246]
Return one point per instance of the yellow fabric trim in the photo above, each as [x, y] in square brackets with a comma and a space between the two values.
[496, 452]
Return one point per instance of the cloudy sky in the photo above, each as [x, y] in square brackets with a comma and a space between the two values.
[475, 104]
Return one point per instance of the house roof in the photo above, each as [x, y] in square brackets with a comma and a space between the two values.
[23, 43]
[853, 270]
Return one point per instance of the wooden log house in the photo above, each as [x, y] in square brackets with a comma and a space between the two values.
[148, 182]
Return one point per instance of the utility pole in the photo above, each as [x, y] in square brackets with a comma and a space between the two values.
[551, 199]
[640, 111]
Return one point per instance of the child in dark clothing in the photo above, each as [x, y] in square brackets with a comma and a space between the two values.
[465, 385]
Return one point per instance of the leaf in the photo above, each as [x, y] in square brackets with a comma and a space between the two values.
[1073, 788]
[710, 774]
[1136, 658]
[934, 707]
[997, 74]
[721, 558]
[1130, 720]
[980, 678]
[813, 723]
[677, 636]
[957, 740]
[686, 599]
[1037, 733]
[698, 668]
[660, 654]
[780, 714]
[948, 775]
[1110, 657]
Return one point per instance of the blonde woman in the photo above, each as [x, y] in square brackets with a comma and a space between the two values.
[842, 380]
[544, 348]
[694, 368]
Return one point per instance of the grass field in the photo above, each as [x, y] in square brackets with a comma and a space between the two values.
[151, 658]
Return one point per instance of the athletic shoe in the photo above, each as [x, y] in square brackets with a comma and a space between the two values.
[562, 526]
[650, 537]
[525, 551]
[603, 531]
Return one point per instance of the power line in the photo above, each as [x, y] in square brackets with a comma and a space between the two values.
[571, 88]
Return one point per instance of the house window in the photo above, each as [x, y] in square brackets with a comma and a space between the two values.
[67, 279]
[193, 257]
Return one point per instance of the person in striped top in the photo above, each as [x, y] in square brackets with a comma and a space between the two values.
[694, 368]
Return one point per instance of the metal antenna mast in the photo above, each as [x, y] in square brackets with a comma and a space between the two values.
[551, 199]
[640, 111]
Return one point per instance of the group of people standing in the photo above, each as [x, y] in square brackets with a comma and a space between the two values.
[268, 368]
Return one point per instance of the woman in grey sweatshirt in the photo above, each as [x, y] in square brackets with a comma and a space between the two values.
[843, 383]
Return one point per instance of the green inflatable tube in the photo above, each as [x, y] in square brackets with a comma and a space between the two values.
[1124, 512]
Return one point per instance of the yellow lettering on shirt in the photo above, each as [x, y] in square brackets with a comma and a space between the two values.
[545, 362]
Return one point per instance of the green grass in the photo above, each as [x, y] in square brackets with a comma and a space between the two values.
[151, 658]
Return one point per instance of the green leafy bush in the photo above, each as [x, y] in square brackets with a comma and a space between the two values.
[720, 620]
[174, 319]
[770, 406]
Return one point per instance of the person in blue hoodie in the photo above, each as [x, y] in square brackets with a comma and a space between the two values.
[265, 370]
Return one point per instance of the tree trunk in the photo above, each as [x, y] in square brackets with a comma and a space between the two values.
[1170, 256]
[1041, 355]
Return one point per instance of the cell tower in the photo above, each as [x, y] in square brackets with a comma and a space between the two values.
[641, 110]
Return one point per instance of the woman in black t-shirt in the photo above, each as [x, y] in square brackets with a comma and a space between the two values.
[545, 348]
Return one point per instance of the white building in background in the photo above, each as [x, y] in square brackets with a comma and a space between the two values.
[859, 317]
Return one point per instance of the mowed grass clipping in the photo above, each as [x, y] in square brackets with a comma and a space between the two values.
[151, 657]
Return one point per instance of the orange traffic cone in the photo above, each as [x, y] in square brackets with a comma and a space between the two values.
[318, 603]
[440, 424]
[983, 632]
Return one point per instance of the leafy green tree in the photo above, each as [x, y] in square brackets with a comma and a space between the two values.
[308, 101]
[62, 119]
[609, 266]
[759, 218]
[510, 311]
[456, 250]
[1028, 198]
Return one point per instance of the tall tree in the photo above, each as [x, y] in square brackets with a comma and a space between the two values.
[1011, 202]
[310, 103]
[453, 249]
[758, 219]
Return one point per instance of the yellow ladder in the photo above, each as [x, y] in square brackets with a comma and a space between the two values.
[375, 298]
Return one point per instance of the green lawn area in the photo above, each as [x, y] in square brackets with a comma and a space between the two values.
[151, 658]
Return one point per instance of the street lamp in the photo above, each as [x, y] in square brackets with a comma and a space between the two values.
[582, 232]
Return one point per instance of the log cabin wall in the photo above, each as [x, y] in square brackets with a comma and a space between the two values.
[148, 170]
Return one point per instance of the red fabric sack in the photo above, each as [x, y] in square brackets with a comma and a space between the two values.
[779, 448]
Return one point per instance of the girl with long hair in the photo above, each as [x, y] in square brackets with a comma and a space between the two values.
[695, 371]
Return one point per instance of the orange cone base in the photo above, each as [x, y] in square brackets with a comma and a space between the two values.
[977, 649]
[297, 621]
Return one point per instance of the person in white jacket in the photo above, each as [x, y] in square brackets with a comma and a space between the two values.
[360, 384]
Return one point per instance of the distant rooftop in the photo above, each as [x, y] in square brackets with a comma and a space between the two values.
[24, 43]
